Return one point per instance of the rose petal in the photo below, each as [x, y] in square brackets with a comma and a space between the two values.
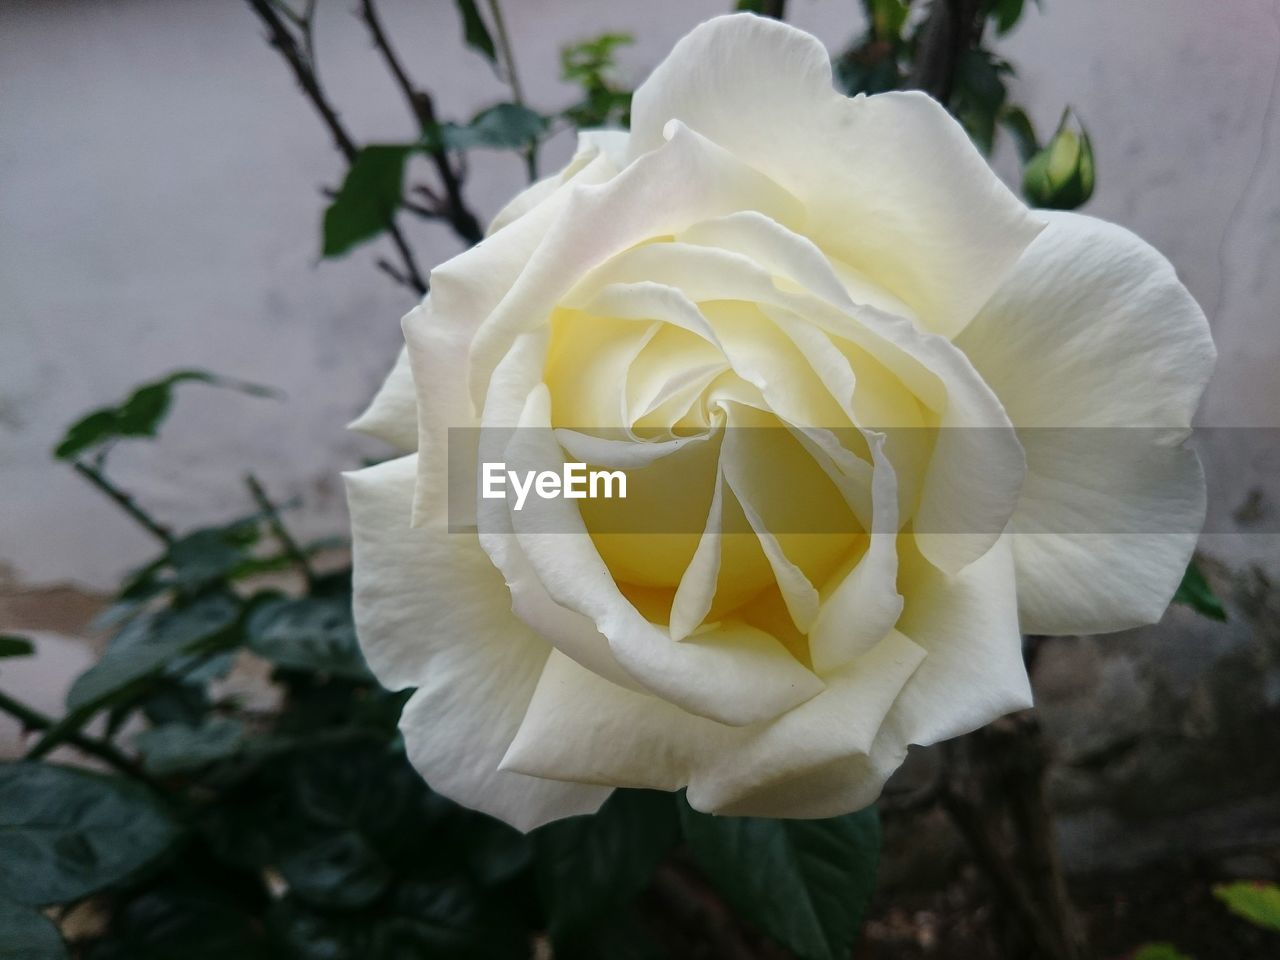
[432, 612]
[891, 183]
[1094, 333]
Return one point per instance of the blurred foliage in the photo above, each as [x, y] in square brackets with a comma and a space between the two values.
[888, 54]
[590, 66]
[1195, 592]
[1259, 903]
[1254, 901]
[1159, 951]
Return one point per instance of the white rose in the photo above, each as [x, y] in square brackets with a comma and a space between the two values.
[761, 250]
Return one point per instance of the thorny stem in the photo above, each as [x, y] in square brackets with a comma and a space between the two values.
[123, 500]
[287, 542]
[454, 209]
[303, 66]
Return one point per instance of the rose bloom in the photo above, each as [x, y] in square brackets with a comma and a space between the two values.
[762, 252]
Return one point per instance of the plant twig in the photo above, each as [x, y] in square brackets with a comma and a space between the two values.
[124, 501]
[422, 107]
[301, 62]
[513, 80]
[272, 514]
[33, 719]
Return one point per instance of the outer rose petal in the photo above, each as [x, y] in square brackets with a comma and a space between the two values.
[891, 183]
[392, 415]
[432, 612]
[1093, 331]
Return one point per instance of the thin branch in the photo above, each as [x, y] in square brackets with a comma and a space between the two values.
[278, 36]
[422, 107]
[986, 850]
[302, 64]
[33, 719]
[508, 57]
[287, 543]
[513, 79]
[124, 501]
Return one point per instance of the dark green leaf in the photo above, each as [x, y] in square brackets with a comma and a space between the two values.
[807, 883]
[335, 870]
[887, 18]
[1015, 120]
[1007, 13]
[312, 633]
[750, 6]
[12, 646]
[142, 412]
[368, 198]
[590, 866]
[27, 934]
[1159, 951]
[590, 65]
[66, 833]
[475, 32]
[199, 559]
[1259, 903]
[448, 920]
[979, 95]
[507, 126]
[1195, 592]
[184, 917]
[149, 644]
[177, 748]
[495, 851]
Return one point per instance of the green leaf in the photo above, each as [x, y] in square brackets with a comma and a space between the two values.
[1259, 903]
[1015, 120]
[149, 644]
[979, 94]
[588, 867]
[67, 833]
[182, 916]
[336, 870]
[750, 6]
[312, 633]
[807, 883]
[178, 748]
[1195, 592]
[1007, 13]
[142, 412]
[27, 934]
[589, 65]
[14, 646]
[887, 17]
[368, 198]
[474, 32]
[507, 126]
[1159, 951]
[199, 559]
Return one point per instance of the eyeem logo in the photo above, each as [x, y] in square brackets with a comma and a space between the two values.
[574, 482]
